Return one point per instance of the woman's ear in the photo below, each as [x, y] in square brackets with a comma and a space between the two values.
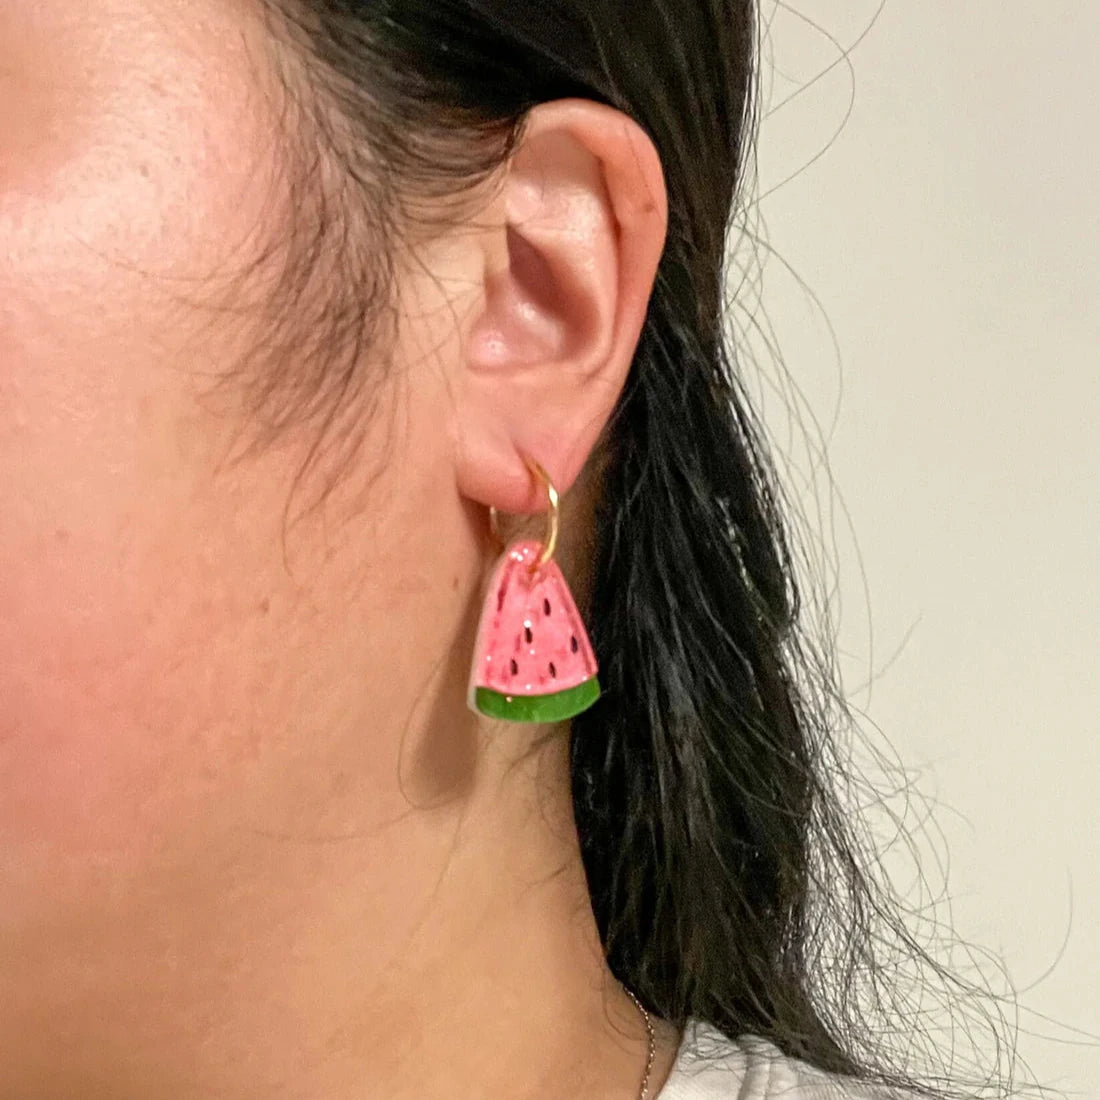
[579, 228]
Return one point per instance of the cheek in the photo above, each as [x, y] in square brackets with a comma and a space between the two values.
[125, 587]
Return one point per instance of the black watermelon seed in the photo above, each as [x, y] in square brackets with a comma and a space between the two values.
[553, 670]
[574, 645]
[546, 607]
[530, 637]
[515, 668]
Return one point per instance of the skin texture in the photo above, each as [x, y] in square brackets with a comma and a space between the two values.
[252, 843]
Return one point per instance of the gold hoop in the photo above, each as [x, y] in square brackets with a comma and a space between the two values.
[553, 516]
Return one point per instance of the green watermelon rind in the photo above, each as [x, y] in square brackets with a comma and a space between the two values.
[538, 708]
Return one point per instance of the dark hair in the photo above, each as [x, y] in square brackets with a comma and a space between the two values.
[727, 880]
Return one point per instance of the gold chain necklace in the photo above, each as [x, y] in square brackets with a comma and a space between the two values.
[652, 1044]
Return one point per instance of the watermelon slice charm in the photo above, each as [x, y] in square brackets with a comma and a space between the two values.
[533, 661]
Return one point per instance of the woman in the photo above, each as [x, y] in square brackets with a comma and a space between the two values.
[302, 301]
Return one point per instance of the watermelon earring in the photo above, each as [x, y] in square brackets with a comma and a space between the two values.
[533, 661]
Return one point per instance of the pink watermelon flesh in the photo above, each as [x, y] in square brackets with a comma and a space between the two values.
[532, 640]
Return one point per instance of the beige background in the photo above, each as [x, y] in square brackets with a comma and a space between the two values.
[952, 235]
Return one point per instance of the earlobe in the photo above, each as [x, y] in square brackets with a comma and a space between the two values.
[568, 276]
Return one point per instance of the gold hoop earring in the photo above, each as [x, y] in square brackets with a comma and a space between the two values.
[553, 516]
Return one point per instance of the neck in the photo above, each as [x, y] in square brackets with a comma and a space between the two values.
[291, 967]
